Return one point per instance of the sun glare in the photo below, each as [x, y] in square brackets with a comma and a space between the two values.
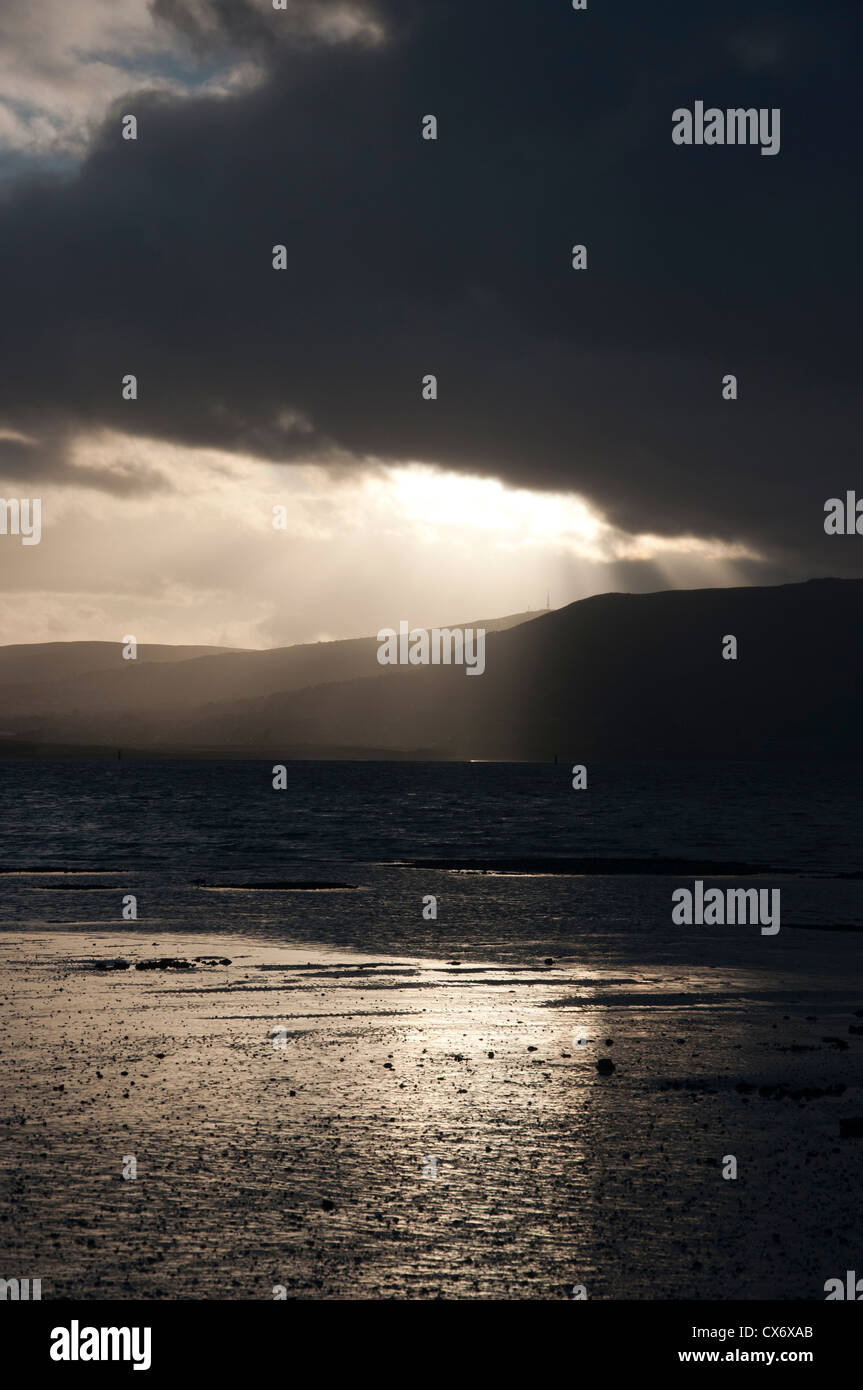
[434, 499]
[451, 499]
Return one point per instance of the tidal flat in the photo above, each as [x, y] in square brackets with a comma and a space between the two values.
[420, 1127]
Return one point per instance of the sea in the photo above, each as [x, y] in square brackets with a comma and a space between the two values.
[356, 847]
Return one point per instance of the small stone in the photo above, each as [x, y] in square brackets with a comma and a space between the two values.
[851, 1128]
[165, 963]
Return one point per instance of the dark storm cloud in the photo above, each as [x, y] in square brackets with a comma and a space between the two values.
[408, 257]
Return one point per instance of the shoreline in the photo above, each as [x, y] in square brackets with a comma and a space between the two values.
[302, 1166]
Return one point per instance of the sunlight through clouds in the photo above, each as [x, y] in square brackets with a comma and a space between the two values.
[427, 497]
[180, 543]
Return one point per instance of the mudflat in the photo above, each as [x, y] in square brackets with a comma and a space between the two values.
[344, 1124]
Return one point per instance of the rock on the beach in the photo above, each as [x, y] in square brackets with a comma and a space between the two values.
[165, 963]
[118, 964]
[852, 1128]
[605, 1066]
[213, 960]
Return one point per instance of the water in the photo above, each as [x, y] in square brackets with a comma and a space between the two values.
[473, 1036]
[160, 829]
[201, 816]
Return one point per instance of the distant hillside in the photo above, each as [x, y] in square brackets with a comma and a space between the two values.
[56, 691]
[59, 661]
[619, 676]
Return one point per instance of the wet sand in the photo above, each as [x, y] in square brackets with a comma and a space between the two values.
[302, 1166]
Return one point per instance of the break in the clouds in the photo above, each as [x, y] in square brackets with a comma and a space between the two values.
[407, 257]
[63, 63]
[199, 559]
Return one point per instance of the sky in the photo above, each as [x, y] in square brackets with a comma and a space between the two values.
[579, 442]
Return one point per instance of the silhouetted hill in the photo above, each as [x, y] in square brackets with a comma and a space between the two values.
[43, 677]
[618, 676]
[86, 692]
[59, 661]
[624, 676]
